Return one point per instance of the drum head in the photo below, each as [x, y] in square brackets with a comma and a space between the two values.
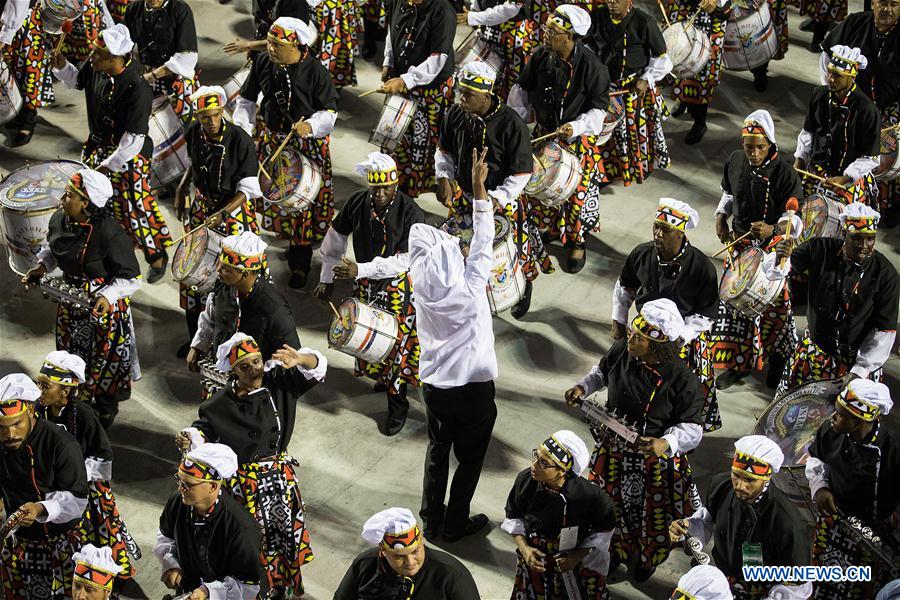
[341, 329]
[189, 253]
[287, 173]
[462, 228]
[792, 420]
[37, 187]
[814, 215]
[741, 273]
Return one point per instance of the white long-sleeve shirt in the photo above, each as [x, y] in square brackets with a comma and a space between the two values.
[507, 193]
[113, 291]
[419, 75]
[492, 16]
[12, 19]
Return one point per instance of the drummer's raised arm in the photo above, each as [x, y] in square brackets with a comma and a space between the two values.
[481, 248]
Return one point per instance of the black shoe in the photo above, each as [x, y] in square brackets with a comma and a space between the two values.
[573, 265]
[156, 273]
[679, 110]
[106, 419]
[695, 134]
[614, 562]
[369, 50]
[472, 526]
[379, 387]
[807, 25]
[297, 280]
[396, 419]
[729, 378]
[521, 308]
[777, 363]
[432, 528]
[278, 592]
[642, 574]
[22, 137]
[183, 350]
[760, 82]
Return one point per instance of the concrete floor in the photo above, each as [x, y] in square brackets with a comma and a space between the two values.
[348, 470]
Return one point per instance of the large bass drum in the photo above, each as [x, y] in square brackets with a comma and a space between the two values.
[295, 181]
[889, 163]
[170, 155]
[29, 196]
[689, 48]
[556, 175]
[750, 38]
[363, 331]
[196, 258]
[821, 217]
[395, 118]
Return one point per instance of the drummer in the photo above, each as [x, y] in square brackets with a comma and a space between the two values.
[853, 294]
[418, 63]
[254, 415]
[298, 100]
[852, 470]
[695, 93]
[480, 120]
[756, 185]
[379, 219]
[845, 149]
[630, 44]
[650, 482]
[60, 379]
[243, 300]
[166, 40]
[670, 267]
[751, 522]
[566, 86]
[95, 255]
[224, 175]
[26, 50]
[119, 102]
[878, 38]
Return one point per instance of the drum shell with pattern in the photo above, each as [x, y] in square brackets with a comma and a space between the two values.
[821, 217]
[28, 197]
[233, 85]
[614, 115]
[557, 173]
[10, 96]
[170, 153]
[56, 12]
[750, 39]
[363, 331]
[395, 118]
[295, 180]
[745, 286]
[196, 258]
[474, 49]
[689, 48]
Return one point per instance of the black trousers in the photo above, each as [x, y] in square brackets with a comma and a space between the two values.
[459, 419]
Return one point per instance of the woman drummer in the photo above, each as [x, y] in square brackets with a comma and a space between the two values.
[223, 172]
[96, 255]
[254, 415]
[60, 379]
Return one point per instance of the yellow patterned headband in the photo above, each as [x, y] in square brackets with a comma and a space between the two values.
[381, 178]
[856, 406]
[654, 334]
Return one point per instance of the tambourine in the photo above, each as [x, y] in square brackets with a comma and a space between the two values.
[12, 523]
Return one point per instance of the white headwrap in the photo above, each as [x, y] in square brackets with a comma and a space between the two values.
[574, 445]
[248, 246]
[376, 162]
[890, 592]
[99, 558]
[763, 119]
[761, 448]
[97, 185]
[574, 18]
[851, 55]
[18, 386]
[217, 456]
[859, 210]
[67, 362]
[223, 362]
[663, 314]
[870, 392]
[705, 582]
[389, 521]
[690, 219]
[117, 40]
[209, 90]
[477, 75]
[305, 34]
[436, 261]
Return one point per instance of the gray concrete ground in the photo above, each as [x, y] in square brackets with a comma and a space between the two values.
[348, 470]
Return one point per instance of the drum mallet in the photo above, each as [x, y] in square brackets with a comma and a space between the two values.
[663, 9]
[816, 177]
[369, 93]
[792, 207]
[187, 233]
[731, 243]
[545, 137]
[278, 150]
[66, 28]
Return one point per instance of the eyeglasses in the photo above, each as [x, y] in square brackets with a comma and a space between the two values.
[184, 486]
[547, 30]
[539, 462]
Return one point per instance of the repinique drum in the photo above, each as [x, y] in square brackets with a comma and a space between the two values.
[613, 117]
[196, 258]
[170, 155]
[889, 165]
[506, 285]
[556, 175]
[56, 12]
[363, 331]
[233, 84]
[745, 286]
[474, 48]
[689, 48]
[821, 217]
[10, 97]
[295, 180]
[395, 118]
[750, 39]
[28, 197]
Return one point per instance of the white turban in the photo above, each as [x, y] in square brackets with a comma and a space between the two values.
[763, 119]
[223, 361]
[67, 362]
[663, 314]
[18, 386]
[858, 210]
[477, 75]
[97, 185]
[247, 245]
[874, 394]
[890, 592]
[436, 262]
[389, 521]
[572, 18]
[684, 216]
[217, 456]
[851, 55]
[99, 558]
[117, 40]
[705, 582]
[306, 35]
[376, 162]
[573, 445]
[761, 448]
[209, 90]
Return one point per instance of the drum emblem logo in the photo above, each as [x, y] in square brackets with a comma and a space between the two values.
[28, 191]
[501, 274]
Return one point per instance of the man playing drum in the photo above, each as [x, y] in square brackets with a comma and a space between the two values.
[853, 469]
[243, 300]
[670, 267]
[43, 481]
[119, 101]
[840, 136]
[481, 120]
[853, 296]
[652, 390]
[299, 102]
[756, 185]
[166, 40]
[223, 173]
[379, 219]
[418, 63]
[878, 38]
[566, 87]
[751, 521]
[95, 256]
[254, 415]
[630, 44]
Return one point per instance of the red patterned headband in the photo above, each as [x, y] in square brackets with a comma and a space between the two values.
[285, 36]
[672, 217]
[245, 349]
[94, 576]
[239, 261]
[858, 407]
[751, 466]
[404, 539]
[752, 129]
[199, 470]
[12, 408]
[76, 182]
[207, 102]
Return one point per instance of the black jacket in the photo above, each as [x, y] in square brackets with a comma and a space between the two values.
[417, 32]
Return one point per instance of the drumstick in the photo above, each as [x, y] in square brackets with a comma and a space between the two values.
[691, 20]
[620, 92]
[335, 311]
[792, 207]
[370, 92]
[66, 27]
[264, 172]
[891, 127]
[663, 9]
[544, 137]
[731, 243]
[817, 177]
[280, 148]
[189, 233]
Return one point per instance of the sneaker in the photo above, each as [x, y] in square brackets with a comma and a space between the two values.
[760, 82]
[471, 527]
[156, 273]
[807, 25]
[574, 265]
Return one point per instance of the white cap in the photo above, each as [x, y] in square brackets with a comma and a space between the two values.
[763, 119]
[850, 54]
[574, 18]
[477, 75]
[705, 582]
[762, 449]
[389, 521]
[100, 558]
[858, 210]
[872, 395]
[663, 314]
[117, 40]
[209, 90]
[573, 445]
[97, 186]
[248, 247]
[66, 361]
[376, 162]
[676, 213]
[217, 456]
[890, 592]
[306, 35]
[223, 353]
[18, 386]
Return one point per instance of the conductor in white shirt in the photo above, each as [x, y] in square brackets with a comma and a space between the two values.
[457, 365]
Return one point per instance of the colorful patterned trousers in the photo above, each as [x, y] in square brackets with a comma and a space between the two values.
[889, 191]
[513, 41]
[28, 58]
[810, 363]
[698, 356]
[699, 89]
[103, 526]
[339, 24]
[39, 569]
[178, 90]
[834, 545]
[638, 145]
[532, 585]
[78, 43]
